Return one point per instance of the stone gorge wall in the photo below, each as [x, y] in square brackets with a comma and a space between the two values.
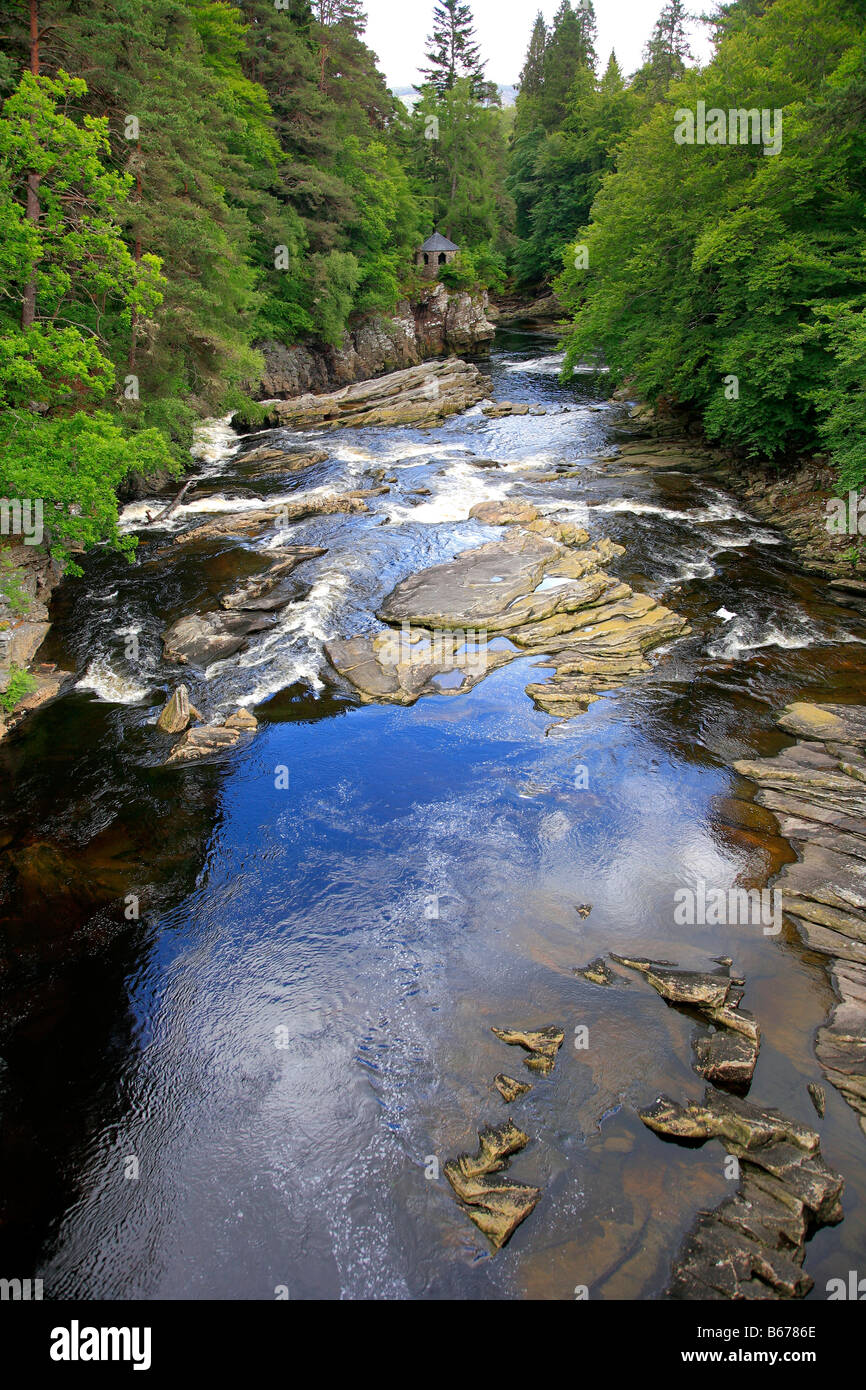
[439, 323]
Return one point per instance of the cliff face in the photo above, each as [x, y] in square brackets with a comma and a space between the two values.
[28, 576]
[441, 322]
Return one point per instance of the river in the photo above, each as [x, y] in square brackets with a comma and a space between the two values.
[249, 1087]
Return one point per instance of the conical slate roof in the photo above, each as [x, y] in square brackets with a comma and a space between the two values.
[437, 242]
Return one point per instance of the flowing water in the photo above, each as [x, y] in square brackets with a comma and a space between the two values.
[248, 1087]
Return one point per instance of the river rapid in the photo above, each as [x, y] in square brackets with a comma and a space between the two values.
[249, 1087]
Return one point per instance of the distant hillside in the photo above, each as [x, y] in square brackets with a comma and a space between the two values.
[409, 95]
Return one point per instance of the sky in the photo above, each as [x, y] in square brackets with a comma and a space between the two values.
[397, 32]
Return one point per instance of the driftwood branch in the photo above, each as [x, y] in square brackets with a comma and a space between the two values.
[167, 511]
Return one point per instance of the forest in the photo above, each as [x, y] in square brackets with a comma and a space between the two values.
[180, 182]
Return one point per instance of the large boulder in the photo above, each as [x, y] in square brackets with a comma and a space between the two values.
[204, 638]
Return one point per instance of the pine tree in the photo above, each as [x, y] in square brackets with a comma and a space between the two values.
[453, 52]
[667, 51]
[532, 75]
[570, 48]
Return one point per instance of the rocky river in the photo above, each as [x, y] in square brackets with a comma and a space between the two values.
[263, 986]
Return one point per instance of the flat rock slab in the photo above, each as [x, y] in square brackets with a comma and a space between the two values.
[202, 639]
[204, 742]
[503, 513]
[247, 523]
[817, 790]
[475, 588]
[595, 628]
[415, 396]
[844, 723]
[840, 1044]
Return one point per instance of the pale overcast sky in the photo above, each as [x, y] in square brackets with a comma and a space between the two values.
[397, 31]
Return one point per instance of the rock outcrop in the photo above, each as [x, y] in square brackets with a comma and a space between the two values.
[439, 323]
[491, 604]
[753, 1245]
[542, 1044]
[817, 791]
[727, 1054]
[247, 523]
[496, 1205]
[416, 396]
[28, 577]
[177, 713]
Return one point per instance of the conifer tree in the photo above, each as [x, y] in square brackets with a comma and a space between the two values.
[570, 48]
[453, 52]
[667, 51]
[532, 74]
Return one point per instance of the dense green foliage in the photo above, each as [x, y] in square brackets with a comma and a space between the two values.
[182, 179]
[732, 281]
[713, 275]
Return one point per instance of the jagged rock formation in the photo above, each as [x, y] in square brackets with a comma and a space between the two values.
[177, 713]
[497, 1206]
[817, 791]
[728, 1053]
[543, 1045]
[509, 1089]
[754, 1244]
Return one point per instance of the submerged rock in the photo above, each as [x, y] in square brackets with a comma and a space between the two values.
[401, 668]
[509, 1089]
[275, 588]
[497, 1206]
[726, 1057]
[544, 1044]
[598, 972]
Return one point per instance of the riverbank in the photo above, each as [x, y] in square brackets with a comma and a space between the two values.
[798, 500]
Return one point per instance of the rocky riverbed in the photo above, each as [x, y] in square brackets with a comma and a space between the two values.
[295, 928]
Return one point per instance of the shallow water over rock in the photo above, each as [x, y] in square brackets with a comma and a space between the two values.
[293, 1035]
